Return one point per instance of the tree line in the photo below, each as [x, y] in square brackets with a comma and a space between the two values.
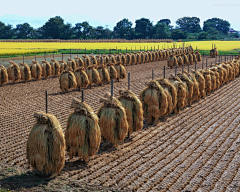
[185, 28]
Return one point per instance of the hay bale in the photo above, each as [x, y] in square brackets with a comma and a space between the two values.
[128, 58]
[94, 60]
[87, 61]
[123, 58]
[112, 59]
[79, 62]
[172, 61]
[46, 144]
[81, 78]
[55, 67]
[198, 55]
[63, 65]
[190, 58]
[181, 92]
[208, 82]
[146, 57]
[201, 82]
[170, 92]
[112, 71]
[107, 59]
[133, 107]
[46, 69]
[134, 58]
[13, 71]
[83, 135]
[67, 80]
[214, 70]
[164, 54]
[119, 59]
[3, 75]
[154, 101]
[25, 72]
[104, 74]
[189, 87]
[112, 120]
[160, 55]
[196, 93]
[121, 71]
[185, 59]
[179, 60]
[138, 57]
[229, 71]
[224, 73]
[236, 65]
[149, 56]
[71, 63]
[36, 70]
[194, 57]
[93, 75]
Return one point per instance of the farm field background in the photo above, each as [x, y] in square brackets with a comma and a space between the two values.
[13, 48]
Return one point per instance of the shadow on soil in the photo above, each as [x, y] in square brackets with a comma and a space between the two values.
[26, 180]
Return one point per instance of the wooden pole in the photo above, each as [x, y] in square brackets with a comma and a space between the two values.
[152, 74]
[164, 72]
[128, 81]
[70, 53]
[53, 55]
[206, 64]
[111, 88]
[46, 98]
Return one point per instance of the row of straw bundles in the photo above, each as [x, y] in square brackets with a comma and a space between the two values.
[214, 52]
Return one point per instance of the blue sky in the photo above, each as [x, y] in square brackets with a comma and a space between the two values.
[107, 12]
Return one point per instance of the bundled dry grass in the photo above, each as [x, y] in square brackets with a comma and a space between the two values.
[233, 70]
[94, 60]
[46, 144]
[190, 58]
[123, 58]
[181, 92]
[180, 60]
[71, 63]
[171, 93]
[36, 70]
[79, 62]
[236, 65]
[196, 93]
[160, 55]
[13, 71]
[138, 57]
[63, 65]
[149, 56]
[154, 101]
[185, 59]
[112, 120]
[224, 73]
[128, 58]
[25, 72]
[83, 135]
[146, 57]
[201, 82]
[104, 74]
[208, 82]
[121, 71]
[93, 75]
[214, 52]
[81, 78]
[167, 53]
[112, 59]
[133, 108]
[46, 69]
[195, 59]
[55, 67]
[112, 71]
[3, 75]
[229, 71]
[154, 58]
[67, 80]
[134, 58]
[198, 55]
[189, 87]
[118, 58]
[172, 61]
[87, 61]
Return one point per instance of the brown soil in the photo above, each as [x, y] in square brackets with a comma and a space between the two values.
[196, 150]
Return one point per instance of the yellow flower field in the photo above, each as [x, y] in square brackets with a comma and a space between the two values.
[10, 48]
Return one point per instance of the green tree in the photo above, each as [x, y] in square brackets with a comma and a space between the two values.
[53, 28]
[166, 21]
[162, 31]
[220, 25]
[23, 31]
[202, 35]
[143, 28]
[189, 24]
[123, 29]
[6, 31]
[178, 34]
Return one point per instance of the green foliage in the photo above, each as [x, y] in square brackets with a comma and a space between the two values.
[202, 35]
[178, 34]
[123, 29]
[143, 28]
[189, 24]
[218, 24]
[162, 31]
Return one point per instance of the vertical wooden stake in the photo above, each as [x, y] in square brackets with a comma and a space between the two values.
[152, 74]
[111, 88]
[128, 81]
[46, 101]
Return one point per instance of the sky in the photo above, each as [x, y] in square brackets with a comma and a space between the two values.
[107, 12]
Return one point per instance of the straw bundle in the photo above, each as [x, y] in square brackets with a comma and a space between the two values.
[133, 108]
[218, 79]
[194, 57]
[213, 80]
[121, 72]
[13, 71]
[55, 66]
[93, 75]
[94, 60]
[46, 69]
[233, 70]
[104, 74]
[167, 53]
[190, 58]
[134, 59]
[63, 65]
[198, 55]
[154, 101]
[201, 82]
[87, 61]
[79, 62]
[154, 58]
[237, 65]
[67, 80]
[3, 75]
[171, 93]
[46, 144]
[128, 58]
[25, 72]
[142, 57]
[196, 93]
[157, 55]
[146, 57]
[164, 54]
[179, 60]
[229, 71]
[181, 92]
[208, 82]
[149, 56]
[81, 78]
[160, 55]
[112, 59]
[112, 120]
[224, 73]
[112, 71]
[36, 70]
[83, 135]
[189, 87]
[138, 56]
[124, 59]
[172, 61]
[119, 59]
[107, 60]
[185, 59]
[71, 63]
